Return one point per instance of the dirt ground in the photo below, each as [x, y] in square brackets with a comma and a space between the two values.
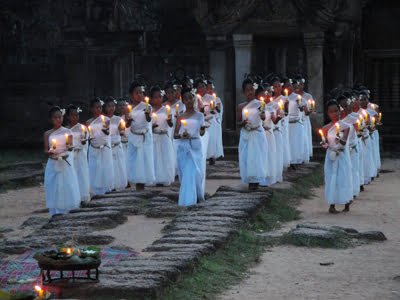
[370, 271]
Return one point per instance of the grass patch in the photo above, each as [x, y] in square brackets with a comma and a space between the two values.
[228, 265]
[11, 156]
[340, 241]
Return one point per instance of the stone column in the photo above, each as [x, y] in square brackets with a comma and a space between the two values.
[280, 59]
[217, 69]
[243, 47]
[314, 43]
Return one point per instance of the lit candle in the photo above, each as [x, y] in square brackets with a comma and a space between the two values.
[184, 123]
[299, 100]
[380, 117]
[129, 108]
[246, 114]
[54, 144]
[373, 122]
[155, 117]
[313, 104]
[271, 99]
[177, 109]
[358, 125]
[309, 103]
[286, 92]
[89, 130]
[69, 251]
[281, 106]
[103, 120]
[66, 139]
[83, 131]
[212, 105]
[215, 97]
[40, 292]
[168, 110]
[321, 132]
[146, 99]
[337, 128]
[262, 103]
[122, 125]
[365, 115]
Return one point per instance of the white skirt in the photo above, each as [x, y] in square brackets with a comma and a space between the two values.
[354, 158]
[215, 148]
[61, 186]
[338, 178]
[296, 140]
[119, 163]
[377, 152]
[191, 171]
[101, 170]
[369, 161]
[360, 148]
[271, 159]
[286, 142]
[253, 160]
[308, 133]
[164, 159]
[279, 155]
[82, 172]
[141, 159]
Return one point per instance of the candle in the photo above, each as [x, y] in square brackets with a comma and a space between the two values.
[313, 104]
[321, 132]
[299, 100]
[69, 251]
[129, 108]
[337, 128]
[215, 96]
[40, 292]
[281, 106]
[66, 139]
[309, 103]
[184, 123]
[246, 114]
[89, 130]
[155, 117]
[365, 115]
[373, 122]
[146, 99]
[286, 92]
[358, 124]
[271, 99]
[262, 103]
[122, 125]
[177, 109]
[54, 144]
[380, 117]
[83, 131]
[212, 105]
[103, 120]
[168, 110]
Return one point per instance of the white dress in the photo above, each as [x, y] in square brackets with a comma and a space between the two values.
[140, 148]
[190, 159]
[368, 155]
[375, 140]
[351, 119]
[101, 169]
[60, 181]
[279, 145]
[337, 170]
[124, 142]
[297, 134]
[271, 153]
[284, 123]
[164, 153]
[178, 108]
[214, 146]
[307, 126]
[253, 147]
[119, 156]
[81, 161]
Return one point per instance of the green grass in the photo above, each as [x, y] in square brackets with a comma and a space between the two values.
[11, 156]
[230, 264]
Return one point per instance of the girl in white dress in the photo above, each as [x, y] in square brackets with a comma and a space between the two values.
[80, 141]
[101, 169]
[117, 128]
[140, 145]
[164, 153]
[337, 167]
[278, 130]
[122, 110]
[253, 161]
[200, 103]
[191, 167]
[60, 181]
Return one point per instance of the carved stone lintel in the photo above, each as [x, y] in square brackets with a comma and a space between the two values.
[242, 40]
[314, 39]
[219, 42]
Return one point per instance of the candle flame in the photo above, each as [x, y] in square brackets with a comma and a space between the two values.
[168, 107]
[129, 108]
[286, 91]
[262, 99]
[215, 95]
[83, 127]
[69, 251]
[38, 288]
[184, 123]
[122, 124]
[321, 132]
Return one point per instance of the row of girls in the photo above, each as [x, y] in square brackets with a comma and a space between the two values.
[145, 142]
[275, 128]
[351, 139]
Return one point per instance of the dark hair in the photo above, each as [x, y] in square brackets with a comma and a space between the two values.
[262, 88]
[53, 110]
[246, 82]
[332, 102]
[274, 79]
[298, 79]
[121, 99]
[133, 86]
[286, 80]
[70, 108]
[95, 100]
[154, 89]
[209, 81]
[168, 85]
[185, 90]
[341, 98]
[109, 99]
[198, 81]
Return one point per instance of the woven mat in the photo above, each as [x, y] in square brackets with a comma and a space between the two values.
[25, 268]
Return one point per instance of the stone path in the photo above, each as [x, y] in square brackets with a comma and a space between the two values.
[192, 233]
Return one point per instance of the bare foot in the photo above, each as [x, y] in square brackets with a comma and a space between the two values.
[332, 210]
[347, 207]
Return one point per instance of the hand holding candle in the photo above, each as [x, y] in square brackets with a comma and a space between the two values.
[211, 105]
[337, 125]
[176, 109]
[54, 144]
[67, 139]
[146, 100]
[262, 104]
[323, 139]
[168, 111]
[246, 114]
[40, 292]
[122, 126]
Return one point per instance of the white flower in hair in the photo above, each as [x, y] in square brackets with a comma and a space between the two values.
[348, 101]
[212, 86]
[205, 81]
[62, 111]
[115, 101]
[191, 81]
[255, 86]
[303, 80]
[162, 93]
[175, 87]
[142, 88]
[271, 88]
[281, 83]
[194, 91]
[101, 102]
[266, 93]
[79, 110]
[290, 80]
